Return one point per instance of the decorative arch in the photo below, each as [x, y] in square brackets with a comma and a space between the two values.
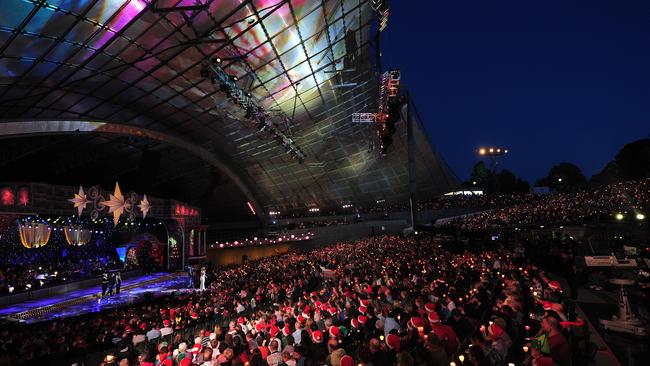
[12, 129]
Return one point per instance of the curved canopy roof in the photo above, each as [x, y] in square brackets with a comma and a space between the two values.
[307, 64]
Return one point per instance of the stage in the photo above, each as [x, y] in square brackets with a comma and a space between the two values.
[88, 299]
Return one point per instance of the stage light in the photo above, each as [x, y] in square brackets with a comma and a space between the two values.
[491, 150]
[640, 216]
[218, 60]
[619, 216]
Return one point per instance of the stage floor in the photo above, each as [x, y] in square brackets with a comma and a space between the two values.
[88, 300]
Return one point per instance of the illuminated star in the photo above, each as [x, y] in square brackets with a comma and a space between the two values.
[80, 201]
[144, 206]
[116, 204]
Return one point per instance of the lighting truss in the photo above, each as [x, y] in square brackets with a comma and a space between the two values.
[250, 105]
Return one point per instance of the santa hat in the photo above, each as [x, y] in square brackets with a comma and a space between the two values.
[195, 316]
[128, 329]
[332, 311]
[347, 360]
[362, 319]
[433, 317]
[317, 336]
[301, 319]
[334, 332]
[364, 302]
[430, 307]
[554, 285]
[240, 320]
[354, 323]
[324, 307]
[416, 322]
[286, 331]
[393, 342]
[260, 327]
[362, 309]
[166, 322]
[495, 330]
[196, 348]
[273, 331]
[288, 309]
[547, 305]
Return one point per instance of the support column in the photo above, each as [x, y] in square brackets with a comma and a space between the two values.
[411, 159]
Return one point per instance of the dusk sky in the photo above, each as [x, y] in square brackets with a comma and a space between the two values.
[552, 81]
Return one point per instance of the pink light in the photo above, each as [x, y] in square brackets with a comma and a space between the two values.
[250, 207]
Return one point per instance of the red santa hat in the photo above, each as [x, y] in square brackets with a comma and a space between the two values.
[362, 319]
[393, 342]
[433, 317]
[332, 311]
[554, 285]
[364, 302]
[495, 330]
[196, 348]
[416, 322]
[334, 332]
[195, 316]
[286, 331]
[166, 322]
[362, 309]
[430, 307]
[240, 320]
[301, 319]
[324, 307]
[347, 360]
[317, 336]
[273, 331]
[260, 327]
[354, 323]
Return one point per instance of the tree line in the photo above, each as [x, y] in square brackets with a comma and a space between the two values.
[631, 163]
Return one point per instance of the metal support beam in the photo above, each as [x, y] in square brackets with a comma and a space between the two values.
[411, 158]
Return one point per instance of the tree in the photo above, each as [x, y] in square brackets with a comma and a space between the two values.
[608, 175]
[480, 174]
[564, 177]
[634, 160]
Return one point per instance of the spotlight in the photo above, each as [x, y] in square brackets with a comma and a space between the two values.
[640, 216]
[619, 216]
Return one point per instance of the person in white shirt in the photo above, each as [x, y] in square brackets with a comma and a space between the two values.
[154, 333]
[167, 329]
[275, 357]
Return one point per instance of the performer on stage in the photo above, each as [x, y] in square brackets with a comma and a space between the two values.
[118, 282]
[202, 279]
[111, 284]
[190, 275]
[104, 283]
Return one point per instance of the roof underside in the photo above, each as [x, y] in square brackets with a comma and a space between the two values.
[126, 61]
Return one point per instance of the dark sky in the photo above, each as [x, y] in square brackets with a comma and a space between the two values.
[553, 80]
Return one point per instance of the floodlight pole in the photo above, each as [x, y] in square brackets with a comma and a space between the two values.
[411, 157]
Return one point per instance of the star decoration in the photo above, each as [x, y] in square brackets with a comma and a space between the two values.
[80, 200]
[116, 204]
[144, 206]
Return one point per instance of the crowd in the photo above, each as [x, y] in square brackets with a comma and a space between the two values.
[437, 203]
[377, 301]
[565, 208]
